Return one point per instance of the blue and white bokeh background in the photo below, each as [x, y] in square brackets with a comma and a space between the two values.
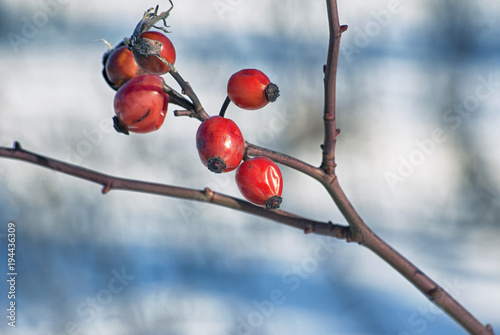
[418, 105]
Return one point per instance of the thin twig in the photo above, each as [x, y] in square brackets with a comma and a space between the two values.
[278, 157]
[188, 90]
[331, 132]
[359, 230]
[177, 98]
[187, 112]
[224, 106]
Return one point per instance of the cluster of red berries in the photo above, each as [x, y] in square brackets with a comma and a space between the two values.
[141, 103]
[221, 145]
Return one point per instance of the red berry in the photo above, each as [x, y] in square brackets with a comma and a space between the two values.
[260, 182]
[151, 63]
[140, 105]
[121, 66]
[220, 144]
[251, 89]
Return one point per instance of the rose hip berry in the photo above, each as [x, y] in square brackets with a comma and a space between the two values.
[260, 182]
[148, 45]
[140, 105]
[120, 66]
[220, 144]
[251, 89]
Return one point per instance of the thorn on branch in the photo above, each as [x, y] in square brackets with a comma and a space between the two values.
[17, 146]
[208, 193]
[435, 293]
[309, 229]
[329, 166]
[188, 85]
[343, 28]
[348, 235]
[107, 188]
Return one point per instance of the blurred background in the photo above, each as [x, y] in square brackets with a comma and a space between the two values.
[418, 103]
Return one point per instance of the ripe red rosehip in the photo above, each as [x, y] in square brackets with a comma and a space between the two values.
[251, 89]
[260, 182]
[220, 144]
[153, 64]
[120, 66]
[140, 105]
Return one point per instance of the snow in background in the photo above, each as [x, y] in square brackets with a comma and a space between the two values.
[421, 170]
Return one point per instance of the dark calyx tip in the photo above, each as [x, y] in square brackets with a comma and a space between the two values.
[119, 127]
[272, 92]
[216, 164]
[274, 202]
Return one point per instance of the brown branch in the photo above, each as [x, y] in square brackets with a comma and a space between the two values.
[359, 230]
[188, 113]
[207, 195]
[177, 99]
[278, 157]
[188, 90]
[331, 131]
[436, 294]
